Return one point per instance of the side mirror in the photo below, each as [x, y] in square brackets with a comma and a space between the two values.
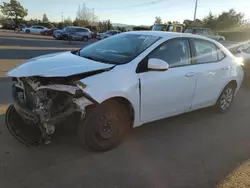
[157, 64]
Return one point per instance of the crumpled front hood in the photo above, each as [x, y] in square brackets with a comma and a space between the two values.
[60, 64]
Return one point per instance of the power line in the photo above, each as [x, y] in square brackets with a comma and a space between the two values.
[142, 4]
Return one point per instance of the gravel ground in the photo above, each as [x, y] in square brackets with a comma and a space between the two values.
[239, 178]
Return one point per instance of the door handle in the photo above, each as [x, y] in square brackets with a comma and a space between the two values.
[190, 74]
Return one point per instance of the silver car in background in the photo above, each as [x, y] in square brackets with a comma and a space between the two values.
[75, 33]
[107, 34]
[206, 32]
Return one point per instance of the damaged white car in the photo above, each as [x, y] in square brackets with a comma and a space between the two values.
[122, 82]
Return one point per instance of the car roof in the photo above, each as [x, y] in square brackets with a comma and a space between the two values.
[77, 27]
[169, 35]
[37, 26]
[199, 28]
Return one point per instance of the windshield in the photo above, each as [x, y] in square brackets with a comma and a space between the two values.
[118, 49]
[108, 32]
[247, 50]
[159, 28]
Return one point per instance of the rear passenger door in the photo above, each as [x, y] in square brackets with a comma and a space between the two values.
[213, 70]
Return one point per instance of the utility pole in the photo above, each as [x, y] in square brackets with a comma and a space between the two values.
[195, 10]
[93, 14]
[62, 17]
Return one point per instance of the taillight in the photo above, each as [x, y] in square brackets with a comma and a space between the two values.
[193, 32]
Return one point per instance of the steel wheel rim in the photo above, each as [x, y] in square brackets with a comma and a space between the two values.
[226, 98]
[107, 129]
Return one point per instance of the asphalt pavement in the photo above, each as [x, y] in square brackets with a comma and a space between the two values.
[194, 150]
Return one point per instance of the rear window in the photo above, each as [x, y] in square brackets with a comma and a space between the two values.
[188, 31]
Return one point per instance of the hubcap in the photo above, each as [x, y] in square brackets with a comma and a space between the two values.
[226, 98]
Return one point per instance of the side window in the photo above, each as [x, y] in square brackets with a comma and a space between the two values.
[174, 52]
[84, 30]
[206, 32]
[247, 50]
[206, 52]
[199, 31]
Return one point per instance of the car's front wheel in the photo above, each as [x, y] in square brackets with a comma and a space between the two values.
[85, 39]
[27, 31]
[104, 126]
[225, 100]
[221, 40]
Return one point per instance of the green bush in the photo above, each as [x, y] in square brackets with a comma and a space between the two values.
[238, 36]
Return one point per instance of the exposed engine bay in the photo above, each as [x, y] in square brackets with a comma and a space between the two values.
[44, 103]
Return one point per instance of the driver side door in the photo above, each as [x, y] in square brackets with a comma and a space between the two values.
[170, 92]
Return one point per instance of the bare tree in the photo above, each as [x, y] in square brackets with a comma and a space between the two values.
[105, 25]
[84, 13]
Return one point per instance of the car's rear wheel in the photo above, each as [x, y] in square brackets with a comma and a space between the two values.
[225, 100]
[104, 126]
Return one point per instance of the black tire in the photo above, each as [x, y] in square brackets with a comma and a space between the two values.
[65, 38]
[85, 39]
[27, 31]
[104, 126]
[221, 40]
[28, 134]
[224, 102]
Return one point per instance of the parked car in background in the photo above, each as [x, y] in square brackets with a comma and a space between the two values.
[57, 34]
[179, 28]
[121, 82]
[20, 28]
[36, 29]
[205, 32]
[75, 33]
[107, 34]
[242, 50]
[48, 31]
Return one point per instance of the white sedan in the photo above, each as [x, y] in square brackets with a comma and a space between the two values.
[119, 83]
[36, 29]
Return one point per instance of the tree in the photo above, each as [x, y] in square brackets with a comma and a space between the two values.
[79, 22]
[68, 22]
[158, 20]
[45, 18]
[105, 25]
[85, 15]
[225, 20]
[230, 19]
[14, 10]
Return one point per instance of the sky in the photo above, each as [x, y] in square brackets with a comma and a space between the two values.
[136, 12]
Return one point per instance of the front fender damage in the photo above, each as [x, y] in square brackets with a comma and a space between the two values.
[42, 104]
